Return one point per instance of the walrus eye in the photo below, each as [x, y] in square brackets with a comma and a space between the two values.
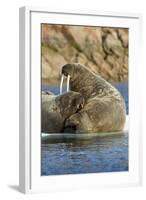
[79, 106]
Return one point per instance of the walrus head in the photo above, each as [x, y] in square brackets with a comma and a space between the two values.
[68, 70]
[73, 72]
[70, 103]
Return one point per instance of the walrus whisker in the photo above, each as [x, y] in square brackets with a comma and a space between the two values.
[61, 83]
[68, 80]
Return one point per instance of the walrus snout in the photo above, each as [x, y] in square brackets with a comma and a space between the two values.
[64, 73]
[70, 126]
[67, 70]
[70, 129]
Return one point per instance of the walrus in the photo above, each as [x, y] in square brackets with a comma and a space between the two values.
[104, 109]
[55, 109]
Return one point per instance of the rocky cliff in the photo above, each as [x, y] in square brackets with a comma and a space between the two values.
[103, 50]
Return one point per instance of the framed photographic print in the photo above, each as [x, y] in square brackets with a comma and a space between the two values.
[79, 100]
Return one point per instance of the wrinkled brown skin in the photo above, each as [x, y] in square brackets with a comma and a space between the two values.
[104, 109]
[55, 109]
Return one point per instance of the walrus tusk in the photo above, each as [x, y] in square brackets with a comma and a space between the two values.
[61, 83]
[68, 79]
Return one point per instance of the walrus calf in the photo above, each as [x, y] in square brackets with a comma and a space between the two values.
[55, 109]
[104, 109]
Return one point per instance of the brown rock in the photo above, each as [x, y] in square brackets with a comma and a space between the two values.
[103, 50]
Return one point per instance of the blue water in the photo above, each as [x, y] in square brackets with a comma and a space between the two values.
[92, 155]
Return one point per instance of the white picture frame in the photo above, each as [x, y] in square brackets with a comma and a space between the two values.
[29, 160]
